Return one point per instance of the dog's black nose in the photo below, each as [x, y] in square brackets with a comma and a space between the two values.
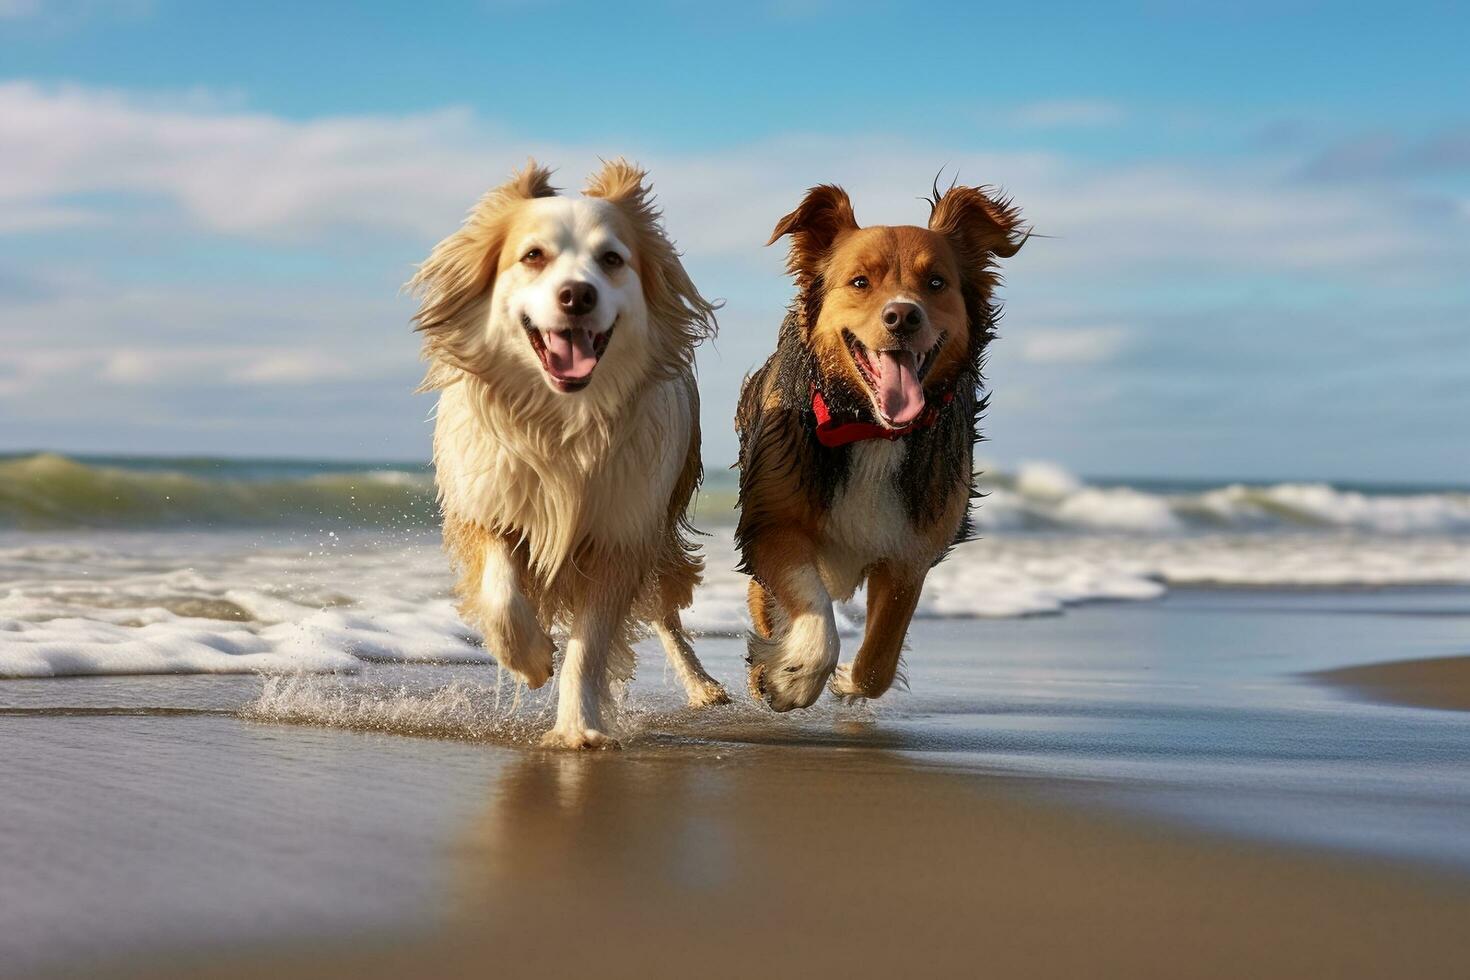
[576, 298]
[903, 317]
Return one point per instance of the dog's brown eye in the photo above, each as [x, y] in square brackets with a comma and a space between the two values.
[612, 260]
[533, 255]
[860, 282]
[936, 283]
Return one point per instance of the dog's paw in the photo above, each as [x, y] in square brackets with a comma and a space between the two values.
[791, 670]
[843, 687]
[520, 644]
[581, 739]
[532, 663]
[708, 694]
[785, 688]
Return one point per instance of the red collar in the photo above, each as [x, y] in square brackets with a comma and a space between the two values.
[832, 433]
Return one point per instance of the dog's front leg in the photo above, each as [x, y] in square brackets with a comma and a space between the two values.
[793, 649]
[892, 598]
[586, 677]
[500, 608]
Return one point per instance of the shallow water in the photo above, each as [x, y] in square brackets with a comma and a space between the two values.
[1136, 650]
[127, 566]
[327, 600]
[146, 812]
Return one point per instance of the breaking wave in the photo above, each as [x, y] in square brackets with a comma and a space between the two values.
[319, 568]
[1041, 496]
[47, 491]
[79, 603]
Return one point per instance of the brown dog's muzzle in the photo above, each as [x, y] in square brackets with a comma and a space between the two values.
[902, 319]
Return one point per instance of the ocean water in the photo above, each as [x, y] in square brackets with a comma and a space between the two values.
[136, 566]
[247, 644]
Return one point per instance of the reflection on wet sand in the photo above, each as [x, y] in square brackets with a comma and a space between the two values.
[732, 842]
[749, 860]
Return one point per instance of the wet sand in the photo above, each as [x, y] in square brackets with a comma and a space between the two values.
[1122, 791]
[1437, 682]
[787, 862]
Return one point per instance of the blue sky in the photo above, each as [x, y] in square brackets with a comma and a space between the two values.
[1259, 217]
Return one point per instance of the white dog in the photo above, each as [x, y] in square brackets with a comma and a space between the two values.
[560, 333]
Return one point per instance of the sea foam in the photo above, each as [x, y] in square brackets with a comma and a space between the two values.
[111, 604]
[327, 596]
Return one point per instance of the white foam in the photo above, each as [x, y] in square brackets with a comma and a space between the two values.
[431, 633]
[1118, 509]
[1045, 481]
[228, 603]
[123, 606]
[1320, 504]
[457, 710]
[1027, 574]
[71, 647]
[1045, 496]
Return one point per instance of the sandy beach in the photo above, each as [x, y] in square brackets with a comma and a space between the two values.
[1137, 789]
[1438, 682]
[789, 861]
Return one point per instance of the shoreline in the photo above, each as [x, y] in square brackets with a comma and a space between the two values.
[1441, 683]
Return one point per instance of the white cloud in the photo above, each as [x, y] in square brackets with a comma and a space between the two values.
[242, 173]
[1176, 238]
[31, 372]
[76, 339]
[253, 175]
[297, 367]
[23, 370]
[1068, 113]
[52, 16]
[21, 217]
[245, 366]
[1071, 345]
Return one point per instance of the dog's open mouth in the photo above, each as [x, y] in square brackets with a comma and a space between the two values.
[568, 356]
[895, 378]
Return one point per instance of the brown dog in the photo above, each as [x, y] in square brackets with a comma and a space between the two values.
[855, 436]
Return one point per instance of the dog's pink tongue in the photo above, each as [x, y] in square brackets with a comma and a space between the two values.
[900, 396]
[569, 353]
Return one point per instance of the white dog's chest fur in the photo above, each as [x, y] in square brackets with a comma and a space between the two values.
[868, 521]
[612, 490]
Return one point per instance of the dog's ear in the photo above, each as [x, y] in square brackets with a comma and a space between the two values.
[461, 270]
[978, 224]
[674, 303]
[462, 267]
[624, 184]
[823, 216]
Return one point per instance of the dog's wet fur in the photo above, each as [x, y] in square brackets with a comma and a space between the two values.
[560, 335]
[888, 322]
